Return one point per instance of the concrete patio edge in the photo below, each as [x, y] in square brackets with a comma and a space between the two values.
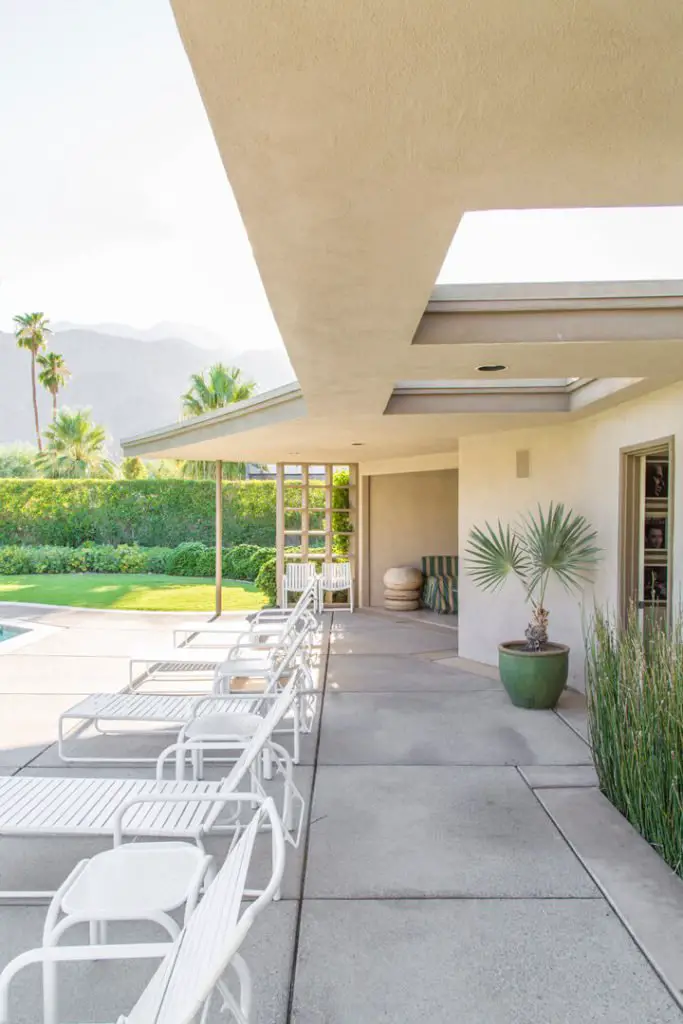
[640, 887]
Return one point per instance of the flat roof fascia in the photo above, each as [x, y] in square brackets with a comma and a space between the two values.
[272, 407]
[556, 295]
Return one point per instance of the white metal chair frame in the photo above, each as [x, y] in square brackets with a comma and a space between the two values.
[32, 806]
[93, 711]
[296, 659]
[194, 965]
[297, 577]
[335, 576]
[269, 622]
[228, 733]
[200, 663]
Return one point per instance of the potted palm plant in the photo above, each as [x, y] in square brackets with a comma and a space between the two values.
[557, 543]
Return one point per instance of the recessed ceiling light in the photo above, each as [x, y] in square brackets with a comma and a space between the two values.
[491, 368]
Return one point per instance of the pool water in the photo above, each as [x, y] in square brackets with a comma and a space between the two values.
[7, 632]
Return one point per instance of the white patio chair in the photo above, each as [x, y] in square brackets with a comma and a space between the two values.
[297, 579]
[269, 622]
[195, 965]
[333, 577]
[143, 808]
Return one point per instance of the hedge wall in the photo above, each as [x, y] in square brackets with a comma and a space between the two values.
[153, 513]
[242, 562]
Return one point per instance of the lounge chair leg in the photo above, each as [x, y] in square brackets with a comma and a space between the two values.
[50, 1015]
[267, 764]
[297, 731]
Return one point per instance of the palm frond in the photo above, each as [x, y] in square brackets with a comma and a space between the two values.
[215, 388]
[561, 543]
[493, 554]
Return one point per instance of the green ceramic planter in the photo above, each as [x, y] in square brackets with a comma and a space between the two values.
[533, 679]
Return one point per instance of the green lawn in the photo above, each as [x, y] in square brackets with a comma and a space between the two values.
[141, 593]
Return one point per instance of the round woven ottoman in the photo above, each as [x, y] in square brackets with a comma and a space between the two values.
[402, 586]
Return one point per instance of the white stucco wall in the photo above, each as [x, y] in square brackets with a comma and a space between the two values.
[577, 464]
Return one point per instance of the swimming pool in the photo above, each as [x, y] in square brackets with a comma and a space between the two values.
[9, 632]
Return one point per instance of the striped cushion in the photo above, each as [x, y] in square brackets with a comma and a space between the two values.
[440, 565]
[440, 590]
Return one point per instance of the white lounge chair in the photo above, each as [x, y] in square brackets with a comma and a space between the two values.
[63, 806]
[194, 967]
[193, 663]
[269, 622]
[335, 576]
[102, 710]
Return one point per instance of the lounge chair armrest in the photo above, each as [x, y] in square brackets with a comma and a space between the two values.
[174, 798]
[63, 954]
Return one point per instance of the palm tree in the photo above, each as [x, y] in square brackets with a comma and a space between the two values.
[215, 388]
[75, 447]
[555, 543]
[53, 376]
[31, 333]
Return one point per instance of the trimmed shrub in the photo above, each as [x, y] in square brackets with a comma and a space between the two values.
[237, 561]
[266, 581]
[158, 559]
[146, 512]
[186, 559]
[189, 559]
[48, 559]
[15, 560]
[259, 559]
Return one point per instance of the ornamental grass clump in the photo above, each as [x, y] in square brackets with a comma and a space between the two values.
[634, 683]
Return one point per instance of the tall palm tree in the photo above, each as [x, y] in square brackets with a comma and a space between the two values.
[215, 388]
[31, 332]
[53, 376]
[75, 447]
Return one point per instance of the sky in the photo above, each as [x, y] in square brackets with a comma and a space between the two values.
[115, 208]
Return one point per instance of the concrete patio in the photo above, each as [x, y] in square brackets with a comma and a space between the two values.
[434, 884]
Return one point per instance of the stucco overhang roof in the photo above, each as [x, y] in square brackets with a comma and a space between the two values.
[356, 135]
[428, 414]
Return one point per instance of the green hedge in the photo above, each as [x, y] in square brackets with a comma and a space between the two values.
[266, 580]
[146, 512]
[241, 562]
[18, 560]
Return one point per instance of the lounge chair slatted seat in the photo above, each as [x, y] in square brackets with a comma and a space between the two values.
[178, 809]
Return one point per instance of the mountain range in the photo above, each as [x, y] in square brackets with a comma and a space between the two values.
[131, 379]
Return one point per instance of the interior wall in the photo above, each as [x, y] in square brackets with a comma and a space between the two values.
[410, 515]
[578, 464]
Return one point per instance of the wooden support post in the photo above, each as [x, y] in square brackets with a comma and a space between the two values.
[354, 503]
[280, 529]
[219, 538]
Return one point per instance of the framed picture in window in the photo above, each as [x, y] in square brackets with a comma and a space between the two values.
[656, 584]
[656, 478]
[655, 533]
